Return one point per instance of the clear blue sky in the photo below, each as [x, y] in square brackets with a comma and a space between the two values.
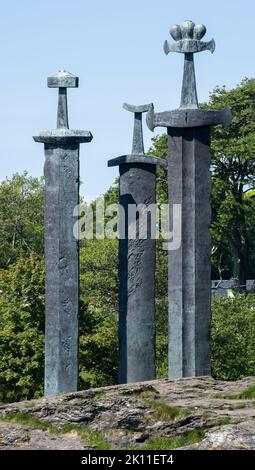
[115, 47]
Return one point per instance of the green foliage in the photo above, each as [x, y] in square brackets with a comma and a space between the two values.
[161, 311]
[99, 313]
[233, 171]
[233, 337]
[98, 273]
[159, 150]
[22, 324]
[98, 348]
[22, 329]
[21, 218]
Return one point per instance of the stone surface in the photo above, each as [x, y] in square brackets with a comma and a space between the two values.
[236, 436]
[137, 259]
[18, 437]
[124, 414]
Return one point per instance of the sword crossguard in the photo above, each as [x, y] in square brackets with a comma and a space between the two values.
[136, 109]
[138, 145]
[188, 118]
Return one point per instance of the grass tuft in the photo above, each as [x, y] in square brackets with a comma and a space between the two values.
[28, 420]
[163, 412]
[221, 421]
[147, 391]
[93, 438]
[248, 394]
[169, 443]
[90, 437]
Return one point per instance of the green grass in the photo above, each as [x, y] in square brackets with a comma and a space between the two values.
[221, 421]
[248, 394]
[93, 438]
[207, 414]
[29, 404]
[145, 392]
[98, 395]
[169, 443]
[163, 412]
[28, 420]
[233, 406]
[216, 421]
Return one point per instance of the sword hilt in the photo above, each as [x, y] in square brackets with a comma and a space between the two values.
[188, 42]
[138, 145]
[62, 80]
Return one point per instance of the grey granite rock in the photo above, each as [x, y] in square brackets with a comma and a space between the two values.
[232, 437]
[133, 414]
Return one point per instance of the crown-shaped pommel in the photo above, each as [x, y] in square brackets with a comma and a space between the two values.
[188, 39]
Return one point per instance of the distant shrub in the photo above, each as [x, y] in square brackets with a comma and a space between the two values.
[233, 337]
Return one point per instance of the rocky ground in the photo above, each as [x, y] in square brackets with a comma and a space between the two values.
[195, 413]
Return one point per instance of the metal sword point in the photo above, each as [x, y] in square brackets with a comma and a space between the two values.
[138, 145]
[63, 80]
[188, 42]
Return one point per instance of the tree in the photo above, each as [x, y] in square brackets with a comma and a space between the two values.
[233, 173]
[22, 329]
[21, 218]
[99, 313]
[159, 149]
[233, 337]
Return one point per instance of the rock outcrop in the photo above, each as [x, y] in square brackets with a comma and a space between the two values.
[194, 413]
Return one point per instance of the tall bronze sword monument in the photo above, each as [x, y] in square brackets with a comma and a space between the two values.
[189, 288]
[61, 173]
